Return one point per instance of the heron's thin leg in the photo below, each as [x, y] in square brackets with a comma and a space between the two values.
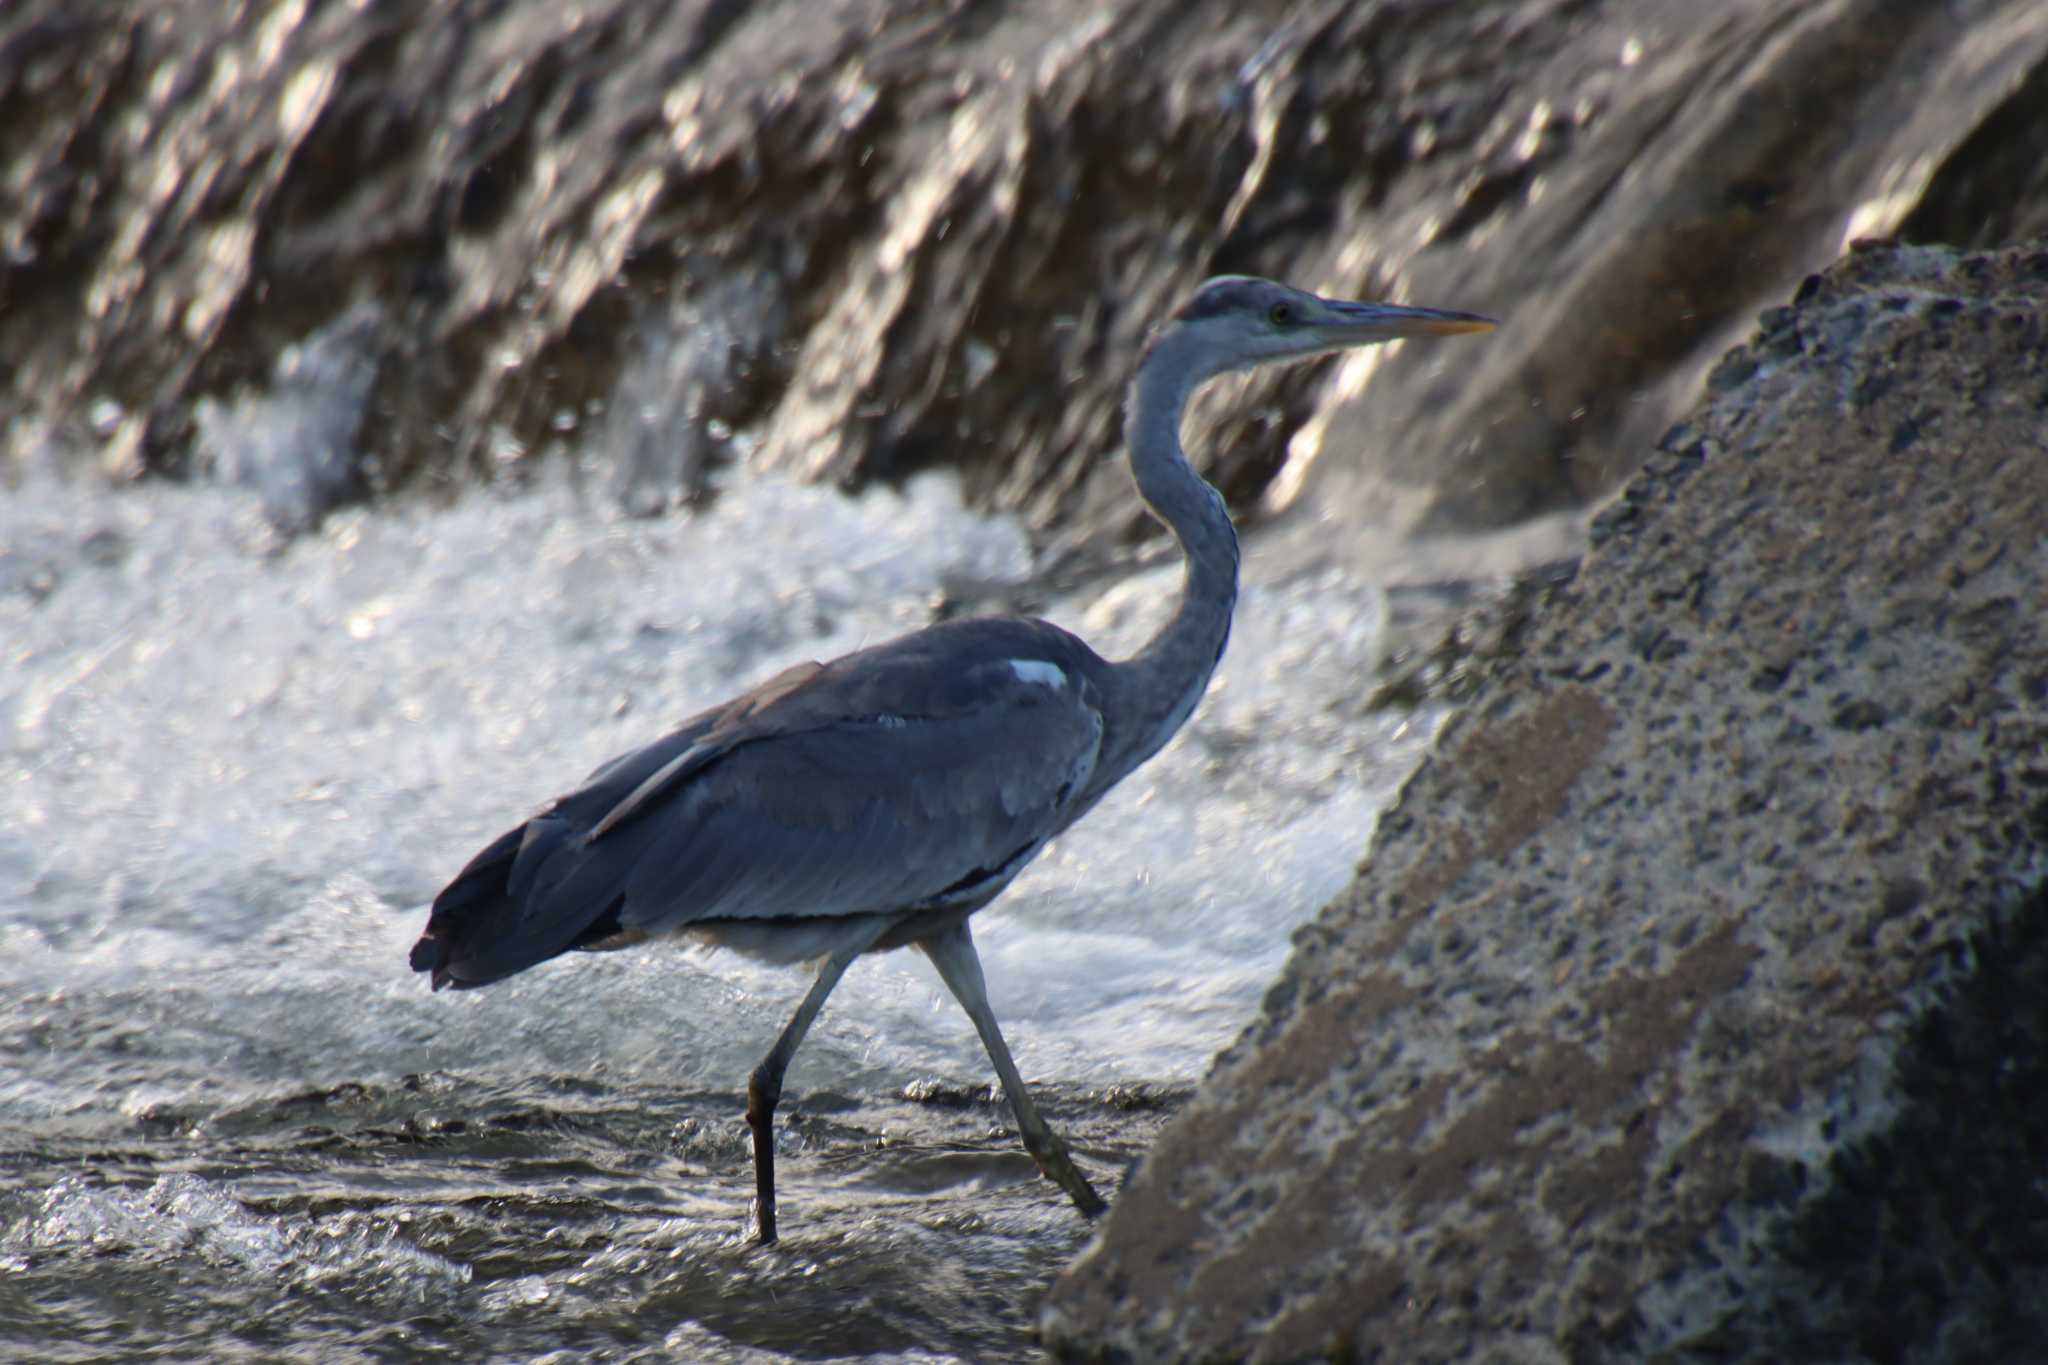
[952, 952]
[764, 1087]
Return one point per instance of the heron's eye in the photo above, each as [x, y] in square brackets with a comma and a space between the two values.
[1280, 314]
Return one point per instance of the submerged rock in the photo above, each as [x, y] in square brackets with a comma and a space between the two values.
[1690, 1006]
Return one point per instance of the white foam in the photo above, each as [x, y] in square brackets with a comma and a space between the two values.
[236, 774]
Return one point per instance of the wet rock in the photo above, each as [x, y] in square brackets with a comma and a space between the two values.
[671, 415]
[1690, 1007]
[1488, 624]
[296, 444]
[874, 237]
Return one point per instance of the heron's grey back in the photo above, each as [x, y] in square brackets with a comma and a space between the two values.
[896, 778]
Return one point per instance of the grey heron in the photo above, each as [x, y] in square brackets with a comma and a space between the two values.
[879, 800]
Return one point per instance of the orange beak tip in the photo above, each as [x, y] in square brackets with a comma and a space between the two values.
[1461, 326]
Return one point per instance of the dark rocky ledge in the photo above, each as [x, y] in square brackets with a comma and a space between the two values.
[863, 238]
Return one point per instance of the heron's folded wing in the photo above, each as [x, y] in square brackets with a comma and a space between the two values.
[837, 815]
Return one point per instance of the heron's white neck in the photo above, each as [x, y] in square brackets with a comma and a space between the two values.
[1168, 676]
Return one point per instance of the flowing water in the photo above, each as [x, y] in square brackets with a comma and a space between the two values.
[235, 766]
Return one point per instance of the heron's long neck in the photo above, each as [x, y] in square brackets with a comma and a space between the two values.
[1168, 676]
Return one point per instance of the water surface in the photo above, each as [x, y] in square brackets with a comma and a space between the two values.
[238, 766]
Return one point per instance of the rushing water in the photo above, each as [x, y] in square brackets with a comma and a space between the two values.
[234, 768]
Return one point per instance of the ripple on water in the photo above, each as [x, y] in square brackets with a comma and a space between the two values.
[233, 1124]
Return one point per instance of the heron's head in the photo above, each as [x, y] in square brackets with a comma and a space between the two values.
[1236, 321]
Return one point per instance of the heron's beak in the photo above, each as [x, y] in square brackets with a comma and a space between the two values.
[1356, 323]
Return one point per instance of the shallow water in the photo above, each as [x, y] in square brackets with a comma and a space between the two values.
[237, 767]
[511, 1217]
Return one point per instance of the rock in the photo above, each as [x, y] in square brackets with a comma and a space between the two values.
[295, 442]
[863, 239]
[1691, 1006]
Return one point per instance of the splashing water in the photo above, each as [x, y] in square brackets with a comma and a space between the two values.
[239, 768]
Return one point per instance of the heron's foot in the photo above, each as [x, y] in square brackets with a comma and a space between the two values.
[1091, 1204]
[761, 1223]
[1056, 1165]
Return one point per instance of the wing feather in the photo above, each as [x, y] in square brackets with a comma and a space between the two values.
[862, 816]
[887, 781]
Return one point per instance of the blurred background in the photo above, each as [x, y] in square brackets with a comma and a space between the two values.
[404, 407]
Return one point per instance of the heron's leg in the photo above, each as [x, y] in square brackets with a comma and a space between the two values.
[764, 1087]
[952, 952]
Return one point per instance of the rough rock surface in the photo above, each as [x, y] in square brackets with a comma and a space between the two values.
[866, 237]
[1691, 1006]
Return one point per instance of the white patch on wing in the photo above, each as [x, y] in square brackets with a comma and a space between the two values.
[1040, 672]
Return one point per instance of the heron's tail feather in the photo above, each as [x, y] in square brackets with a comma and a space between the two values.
[464, 914]
[503, 913]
